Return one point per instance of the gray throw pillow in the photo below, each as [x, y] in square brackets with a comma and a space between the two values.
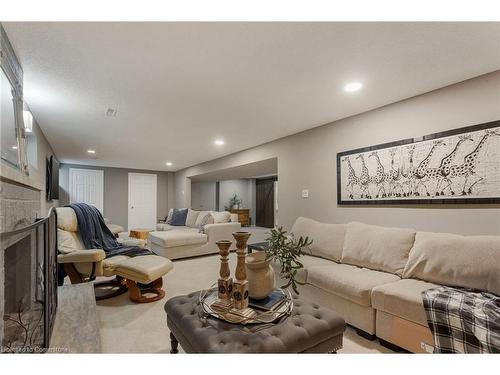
[179, 216]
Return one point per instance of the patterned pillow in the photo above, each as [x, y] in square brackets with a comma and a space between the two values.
[168, 218]
[207, 219]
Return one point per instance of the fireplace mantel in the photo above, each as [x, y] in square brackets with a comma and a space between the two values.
[10, 174]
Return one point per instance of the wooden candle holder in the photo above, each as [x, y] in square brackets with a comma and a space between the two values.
[240, 286]
[225, 282]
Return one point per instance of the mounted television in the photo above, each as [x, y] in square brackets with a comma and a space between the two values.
[52, 184]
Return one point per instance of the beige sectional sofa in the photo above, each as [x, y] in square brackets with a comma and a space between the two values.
[373, 276]
[175, 242]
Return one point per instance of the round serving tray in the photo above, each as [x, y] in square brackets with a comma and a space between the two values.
[211, 305]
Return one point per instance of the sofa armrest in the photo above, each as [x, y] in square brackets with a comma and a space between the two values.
[222, 231]
[82, 256]
[160, 227]
[233, 218]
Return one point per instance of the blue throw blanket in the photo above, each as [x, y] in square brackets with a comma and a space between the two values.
[95, 233]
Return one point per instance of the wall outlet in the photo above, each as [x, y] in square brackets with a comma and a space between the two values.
[305, 193]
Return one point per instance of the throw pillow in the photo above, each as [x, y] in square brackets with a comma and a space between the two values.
[200, 217]
[221, 217]
[192, 215]
[168, 218]
[179, 217]
[207, 219]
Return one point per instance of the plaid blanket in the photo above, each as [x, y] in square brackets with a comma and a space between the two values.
[463, 320]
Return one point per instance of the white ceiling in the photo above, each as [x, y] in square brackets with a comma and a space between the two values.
[179, 86]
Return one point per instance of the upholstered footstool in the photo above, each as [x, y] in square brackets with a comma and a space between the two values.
[309, 329]
[146, 270]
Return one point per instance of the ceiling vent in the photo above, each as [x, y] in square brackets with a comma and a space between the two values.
[111, 112]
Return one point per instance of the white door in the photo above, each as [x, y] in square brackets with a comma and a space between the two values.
[87, 186]
[141, 200]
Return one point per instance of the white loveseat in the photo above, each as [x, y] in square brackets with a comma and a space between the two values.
[373, 276]
[175, 242]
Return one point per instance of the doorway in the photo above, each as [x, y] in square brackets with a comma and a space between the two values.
[87, 186]
[264, 197]
[141, 200]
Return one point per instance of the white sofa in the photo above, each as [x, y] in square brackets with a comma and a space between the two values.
[175, 242]
[373, 276]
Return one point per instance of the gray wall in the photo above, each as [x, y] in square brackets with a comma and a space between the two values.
[228, 188]
[307, 160]
[203, 195]
[39, 171]
[116, 191]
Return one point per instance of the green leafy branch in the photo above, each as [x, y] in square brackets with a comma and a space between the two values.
[287, 250]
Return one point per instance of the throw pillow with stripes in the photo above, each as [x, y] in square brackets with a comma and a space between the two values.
[207, 219]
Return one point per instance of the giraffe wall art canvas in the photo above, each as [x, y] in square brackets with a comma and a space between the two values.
[456, 166]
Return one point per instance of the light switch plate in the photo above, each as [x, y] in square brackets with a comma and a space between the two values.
[305, 193]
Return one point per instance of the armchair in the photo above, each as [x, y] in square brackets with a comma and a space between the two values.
[85, 265]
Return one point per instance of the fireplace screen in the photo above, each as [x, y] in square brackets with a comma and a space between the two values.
[30, 292]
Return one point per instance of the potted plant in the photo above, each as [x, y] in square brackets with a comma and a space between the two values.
[283, 249]
[234, 202]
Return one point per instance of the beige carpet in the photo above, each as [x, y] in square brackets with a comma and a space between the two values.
[128, 327]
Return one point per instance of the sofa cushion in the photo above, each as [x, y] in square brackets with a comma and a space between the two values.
[68, 242]
[200, 217]
[109, 264]
[309, 261]
[115, 228]
[66, 219]
[377, 248]
[191, 217]
[144, 269]
[179, 217]
[174, 238]
[451, 259]
[328, 239]
[402, 298]
[350, 282]
[221, 217]
[163, 227]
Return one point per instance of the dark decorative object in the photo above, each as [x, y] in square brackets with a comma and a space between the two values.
[456, 166]
[52, 179]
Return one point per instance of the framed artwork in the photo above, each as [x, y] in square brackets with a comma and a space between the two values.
[456, 166]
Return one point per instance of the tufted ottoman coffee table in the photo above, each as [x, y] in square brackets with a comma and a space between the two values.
[309, 329]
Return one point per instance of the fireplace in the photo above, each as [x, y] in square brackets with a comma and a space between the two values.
[30, 286]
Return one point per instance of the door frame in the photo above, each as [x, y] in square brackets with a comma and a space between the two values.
[269, 179]
[101, 177]
[155, 195]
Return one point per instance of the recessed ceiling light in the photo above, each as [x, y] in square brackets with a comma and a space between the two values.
[353, 86]
[14, 147]
[91, 151]
[219, 142]
[169, 164]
